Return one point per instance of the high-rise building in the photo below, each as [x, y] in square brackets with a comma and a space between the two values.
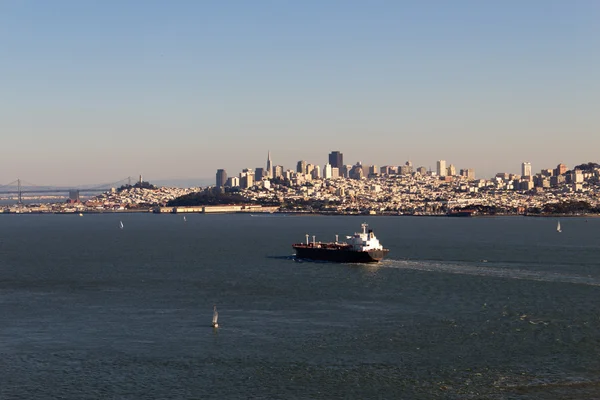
[561, 169]
[301, 167]
[260, 173]
[246, 178]
[404, 170]
[441, 168]
[221, 178]
[335, 173]
[452, 170]
[278, 171]
[422, 171]
[336, 159]
[269, 166]
[345, 171]
[316, 172]
[233, 181]
[327, 174]
[468, 173]
[526, 169]
[373, 171]
[309, 168]
[357, 171]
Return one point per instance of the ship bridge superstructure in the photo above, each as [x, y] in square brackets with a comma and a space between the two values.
[365, 240]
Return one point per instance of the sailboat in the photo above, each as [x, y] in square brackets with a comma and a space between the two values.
[558, 227]
[184, 219]
[121, 224]
[215, 317]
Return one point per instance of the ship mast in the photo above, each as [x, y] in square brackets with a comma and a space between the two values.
[364, 227]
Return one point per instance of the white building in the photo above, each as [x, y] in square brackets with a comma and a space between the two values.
[316, 172]
[441, 168]
[526, 169]
[327, 172]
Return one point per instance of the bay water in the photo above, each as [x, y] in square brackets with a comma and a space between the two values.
[462, 308]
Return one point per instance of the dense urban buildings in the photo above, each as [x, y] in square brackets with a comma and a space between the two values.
[362, 188]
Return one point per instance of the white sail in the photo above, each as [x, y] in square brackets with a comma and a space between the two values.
[215, 317]
[121, 224]
[184, 219]
[558, 227]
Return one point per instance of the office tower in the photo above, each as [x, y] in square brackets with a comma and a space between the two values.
[260, 173]
[316, 172]
[525, 169]
[233, 181]
[327, 171]
[246, 178]
[309, 168]
[335, 173]
[373, 170]
[336, 159]
[357, 171]
[441, 168]
[278, 171]
[468, 173]
[301, 167]
[269, 166]
[221, 178]
[452, 170]
[561, 169]
[422, 171]
[345, 171]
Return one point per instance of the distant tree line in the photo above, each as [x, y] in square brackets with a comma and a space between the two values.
[566, 207]
[138, 185]
[208, 198]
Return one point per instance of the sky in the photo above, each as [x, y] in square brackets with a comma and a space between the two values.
[95, 91]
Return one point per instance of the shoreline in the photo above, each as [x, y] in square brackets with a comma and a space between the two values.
[312, 214]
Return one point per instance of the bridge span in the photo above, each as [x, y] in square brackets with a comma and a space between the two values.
[21, 187]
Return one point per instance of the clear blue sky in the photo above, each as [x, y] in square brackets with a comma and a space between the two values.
[93, 91]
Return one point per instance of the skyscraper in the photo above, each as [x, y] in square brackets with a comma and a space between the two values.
[269, 166]
[301, 167]
[526, 169]
[441, 168]
[221, 178]
[452, 170]
[336, 159]
[247, 178]
[327, 174]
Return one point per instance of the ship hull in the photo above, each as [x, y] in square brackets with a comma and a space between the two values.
[341, 256]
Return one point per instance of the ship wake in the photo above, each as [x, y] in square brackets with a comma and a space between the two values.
[487, 271]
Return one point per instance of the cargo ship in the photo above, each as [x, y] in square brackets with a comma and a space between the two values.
[362, 247]
[461, 213]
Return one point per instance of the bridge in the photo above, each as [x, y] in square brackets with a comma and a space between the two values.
[21, 187]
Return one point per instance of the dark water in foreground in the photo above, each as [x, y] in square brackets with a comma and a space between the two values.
[90, 311]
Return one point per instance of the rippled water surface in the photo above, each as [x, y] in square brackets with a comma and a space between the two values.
[464, 308]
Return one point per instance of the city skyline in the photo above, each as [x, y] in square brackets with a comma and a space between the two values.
[232, 172]
[93, 92]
